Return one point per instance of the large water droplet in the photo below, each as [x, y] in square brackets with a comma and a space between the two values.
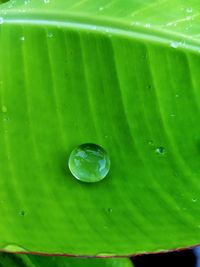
[89, 163]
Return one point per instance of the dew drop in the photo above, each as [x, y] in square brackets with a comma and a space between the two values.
[46, 1]
[22, 213]
[194, 199]
[26, 2]
[6, 119]
[49, 34]
[89, 163]
[109, 210]
[160, 150]
[135, 23]
[189, 10]
[174, 44]
[150, 142]
[22, 38]
[147, 25]
[101, 8]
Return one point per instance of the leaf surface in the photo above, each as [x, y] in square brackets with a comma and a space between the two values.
[120, 74]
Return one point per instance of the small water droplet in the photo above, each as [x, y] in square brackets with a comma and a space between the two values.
[89, 163]
[101, 8]
[109, 210]
[150, 142]
[144, 56]
[174, 44]
[6, 119]
[194, 199]
[22, 213]
[189, 10]
[26, 2]
[4, 109]
[49, 34]
[188, 27]
[160, 150]
[188, 18]
[135, 23]
[171, 24]
[175, 174]
[1, 20]
[46, 1]
[22, 38]
[147, 25]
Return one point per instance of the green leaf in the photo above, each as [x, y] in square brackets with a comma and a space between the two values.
[16, 260]
[120, 74]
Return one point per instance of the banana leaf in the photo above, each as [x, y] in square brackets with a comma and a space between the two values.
[17, 260]
[122, 74]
